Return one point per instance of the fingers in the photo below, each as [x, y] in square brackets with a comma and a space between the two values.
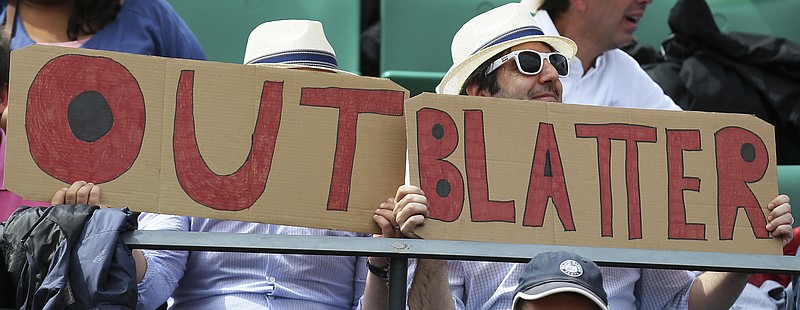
[72, 192]
[384, 217]
[411, 209]
[94, 195]
[79, 192]
[407, 190]
[780, 219]
[785, 232]
[59, 197]
[82, 197]
[411, 224]
[781, 199]
[781, 214]
[416, 207]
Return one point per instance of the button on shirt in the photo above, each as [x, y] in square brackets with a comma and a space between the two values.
[217, 280]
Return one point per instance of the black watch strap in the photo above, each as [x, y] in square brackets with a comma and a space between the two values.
[382, 273]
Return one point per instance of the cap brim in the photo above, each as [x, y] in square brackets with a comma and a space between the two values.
[455, 78]
[547, 289]
[294, 66]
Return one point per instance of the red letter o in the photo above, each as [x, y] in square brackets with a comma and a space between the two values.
[57, 89]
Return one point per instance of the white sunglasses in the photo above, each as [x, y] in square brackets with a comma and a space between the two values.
[531, 62]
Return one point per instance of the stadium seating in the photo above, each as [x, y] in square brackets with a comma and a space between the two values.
[223, 26]
[416, 37]
[789, 184]
[770, 17]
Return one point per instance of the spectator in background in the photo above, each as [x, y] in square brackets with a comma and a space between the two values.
[560, 281]
[146, 27]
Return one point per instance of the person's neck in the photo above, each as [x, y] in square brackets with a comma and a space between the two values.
[588, 47]
[46, 22]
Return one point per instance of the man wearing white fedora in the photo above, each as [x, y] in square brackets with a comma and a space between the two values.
[488, 61]
[217, 280]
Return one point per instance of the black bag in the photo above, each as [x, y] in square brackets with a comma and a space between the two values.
[63, 257]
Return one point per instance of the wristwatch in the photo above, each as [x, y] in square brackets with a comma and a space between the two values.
[381, 272]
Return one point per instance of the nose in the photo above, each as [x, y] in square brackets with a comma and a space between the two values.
[548, 74]
[644, 1]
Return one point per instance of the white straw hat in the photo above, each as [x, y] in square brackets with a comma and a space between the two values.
[490, 33]
[291, 44]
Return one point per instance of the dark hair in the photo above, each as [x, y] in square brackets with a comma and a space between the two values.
[5, 57]
[484, 81]
[89, 16]
[555, 8]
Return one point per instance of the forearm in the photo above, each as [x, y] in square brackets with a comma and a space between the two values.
[716, 290]
[376, 289]
[141, 264]
[430, 288]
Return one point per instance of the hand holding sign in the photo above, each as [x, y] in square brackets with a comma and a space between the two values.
[79, 192]
[780, 219]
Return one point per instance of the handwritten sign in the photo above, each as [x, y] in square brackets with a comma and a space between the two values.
[532, 172]
[206, 139]
[323, 150]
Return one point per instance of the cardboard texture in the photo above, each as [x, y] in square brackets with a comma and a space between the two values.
[533, 172]
[206, 139]
[323, 150]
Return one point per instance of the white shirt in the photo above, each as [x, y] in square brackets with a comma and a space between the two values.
[615, 80]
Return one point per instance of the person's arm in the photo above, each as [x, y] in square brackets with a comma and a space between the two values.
[397, 217]
[430, 288]
[141, 264]
[176, 38]
[716, 290]
[159, 271]
[719, 290]
[376, 290]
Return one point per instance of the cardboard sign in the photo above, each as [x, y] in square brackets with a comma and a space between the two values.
[206, 139]
[532, 172]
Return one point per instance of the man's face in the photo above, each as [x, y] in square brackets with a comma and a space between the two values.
[544, 86]
[612, 22]
[559, 301]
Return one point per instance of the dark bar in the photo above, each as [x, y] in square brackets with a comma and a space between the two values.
[462, 250]
[397, 283]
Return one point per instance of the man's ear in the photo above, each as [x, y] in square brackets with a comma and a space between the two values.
[472, 90]
[580, 4]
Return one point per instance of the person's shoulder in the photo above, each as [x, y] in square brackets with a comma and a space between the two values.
[147, 8]
[620, 58]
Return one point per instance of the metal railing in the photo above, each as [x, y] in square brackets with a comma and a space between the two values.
[400, 250]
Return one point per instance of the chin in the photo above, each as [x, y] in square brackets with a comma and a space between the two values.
[623, 42]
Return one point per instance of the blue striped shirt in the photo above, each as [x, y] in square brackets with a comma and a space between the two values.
[216, 280]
